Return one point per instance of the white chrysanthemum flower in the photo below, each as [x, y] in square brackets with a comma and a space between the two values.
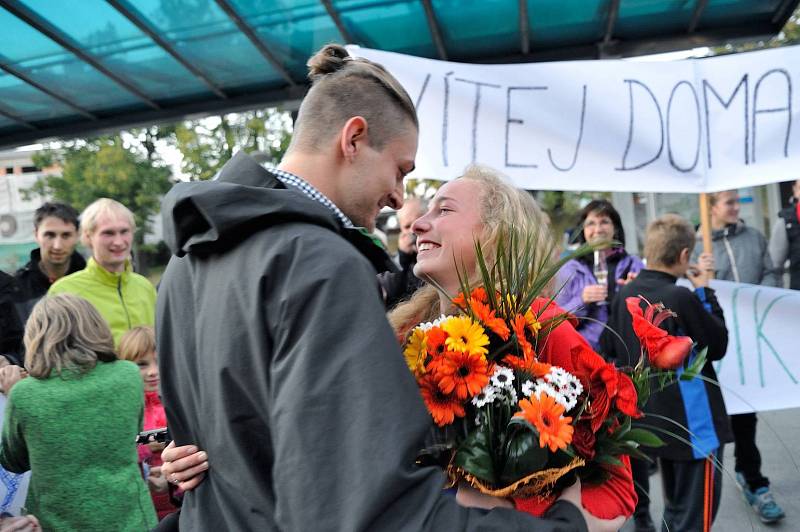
[503, 377]
[527, 388]
[542, 387]
[427, 326]
[485, 396]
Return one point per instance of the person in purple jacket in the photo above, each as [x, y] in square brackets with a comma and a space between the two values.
[580, 293]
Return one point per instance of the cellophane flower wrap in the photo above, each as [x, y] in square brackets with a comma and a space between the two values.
[507, 421]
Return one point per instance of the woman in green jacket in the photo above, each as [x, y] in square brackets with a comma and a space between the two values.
[74, 423]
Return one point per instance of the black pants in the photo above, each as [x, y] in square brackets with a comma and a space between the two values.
[692, 490]
[641, 483]
[748, 459]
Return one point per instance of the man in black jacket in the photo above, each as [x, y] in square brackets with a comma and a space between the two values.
[399, 286]
[686, 411]
[276, 357]
[55, 228]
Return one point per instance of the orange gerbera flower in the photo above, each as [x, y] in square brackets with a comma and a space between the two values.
[444, 408]
[545, 414]
[464, 374]
[435, 338]
[487, 316]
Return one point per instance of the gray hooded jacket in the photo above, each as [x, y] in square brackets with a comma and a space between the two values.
[741, 255]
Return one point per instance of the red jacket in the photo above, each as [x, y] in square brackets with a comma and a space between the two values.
[155, 418]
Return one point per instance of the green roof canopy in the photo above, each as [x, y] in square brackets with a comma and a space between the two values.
[71, 68]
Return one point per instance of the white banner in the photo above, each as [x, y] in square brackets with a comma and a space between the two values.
[609, 125]
[761, 370]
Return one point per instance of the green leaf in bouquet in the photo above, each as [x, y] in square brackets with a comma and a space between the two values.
[696, 366]
[644, 437]
[523, 455]
[608, 460]
[474, 455]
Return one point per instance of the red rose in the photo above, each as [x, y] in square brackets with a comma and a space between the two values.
[583, 440]
[627, 399]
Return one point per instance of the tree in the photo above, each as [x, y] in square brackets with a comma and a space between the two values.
[790, 34]
[105, 167]
[208, 143]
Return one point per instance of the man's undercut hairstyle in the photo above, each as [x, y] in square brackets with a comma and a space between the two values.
[62, 211]
[103, 207]
[343, 87]
[665, 238]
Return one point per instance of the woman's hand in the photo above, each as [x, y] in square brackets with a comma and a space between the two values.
[594, 293]
[471, 498]
[573, 494]
[184, 466]
[26, 523]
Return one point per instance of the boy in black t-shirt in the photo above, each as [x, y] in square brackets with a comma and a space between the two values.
[692, 482]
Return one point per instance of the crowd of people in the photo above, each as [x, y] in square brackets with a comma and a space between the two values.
[269, 353]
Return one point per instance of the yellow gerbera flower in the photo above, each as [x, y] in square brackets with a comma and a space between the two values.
[533, 323]
[465, 335]
[415, 352]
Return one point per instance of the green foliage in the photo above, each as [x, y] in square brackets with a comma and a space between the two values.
[105, 167]
[790, 34]
[208, 143]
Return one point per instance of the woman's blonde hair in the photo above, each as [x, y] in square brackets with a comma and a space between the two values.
[504, 209]
[65, 331]
[137, 343]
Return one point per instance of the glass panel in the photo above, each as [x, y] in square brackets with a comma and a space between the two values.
[120, 46]
[738, 12]
[398, 26]
[206, 36]
[567, 22]
[7, 123]
[49, 64]
[479, 28]
[293, 30]
[29, 103]
[643, 18]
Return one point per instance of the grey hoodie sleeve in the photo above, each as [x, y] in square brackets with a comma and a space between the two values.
[770, 274]
[778, 245]
[346, 417]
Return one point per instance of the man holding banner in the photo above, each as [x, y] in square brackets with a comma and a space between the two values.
[741, 255]
[785, 240]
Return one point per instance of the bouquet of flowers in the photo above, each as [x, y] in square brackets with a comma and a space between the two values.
[520, 406]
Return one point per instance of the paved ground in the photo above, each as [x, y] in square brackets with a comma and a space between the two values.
[779, 442]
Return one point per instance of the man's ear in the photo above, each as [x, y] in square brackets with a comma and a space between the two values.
[354, 132]
[684, 256]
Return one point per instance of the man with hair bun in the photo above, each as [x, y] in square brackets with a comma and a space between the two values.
[276, 357]
[124, 298]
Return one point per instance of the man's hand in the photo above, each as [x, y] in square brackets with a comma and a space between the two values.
[628, 278]
[594, 293]
[184, 466]
[9, 376]
[701, 273]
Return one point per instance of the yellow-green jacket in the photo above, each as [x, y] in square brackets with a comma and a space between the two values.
[125, 299]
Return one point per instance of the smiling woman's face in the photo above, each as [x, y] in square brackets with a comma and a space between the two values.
[446, 233]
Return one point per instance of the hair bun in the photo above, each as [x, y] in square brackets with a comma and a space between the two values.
[329, 59]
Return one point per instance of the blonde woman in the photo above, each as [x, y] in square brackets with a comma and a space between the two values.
[73, 423]
[479, 205]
